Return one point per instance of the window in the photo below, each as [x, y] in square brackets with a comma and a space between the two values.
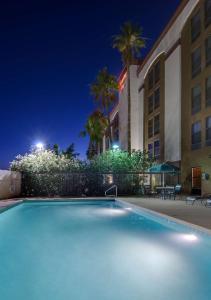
[196, 62]
[150, 150]
[150, 128]
[150, 104]
[156, 124]
[151, 79]
[196, 135]
[157, 72]
[157, 149]
[196, 99]
[208, 50]
[195, 26]
[157, 99]
[208, 131]
[208, 91]
[207, 12]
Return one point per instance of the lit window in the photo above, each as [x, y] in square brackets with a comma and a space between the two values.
[150, 128]
[150, 104]
[196, 135]
[195, 26]
[207, 12]
[157, 99]
[157, 149]
[208, 50]
[208, 131]
[196, 99]
[208, 91]
[156, 124]
[196, 62]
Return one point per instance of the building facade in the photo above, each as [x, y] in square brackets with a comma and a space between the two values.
[171, 97]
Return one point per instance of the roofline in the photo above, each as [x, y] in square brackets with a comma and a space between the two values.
[179, 9]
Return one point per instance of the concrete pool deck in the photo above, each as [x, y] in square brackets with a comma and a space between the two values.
[196, 214]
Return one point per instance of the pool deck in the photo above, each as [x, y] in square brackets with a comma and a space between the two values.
[196, 214]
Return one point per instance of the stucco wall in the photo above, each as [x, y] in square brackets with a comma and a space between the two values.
[135, 110]
[172, 135]
[10, 184]
[141, 119]
[170, 38]
[123, 111]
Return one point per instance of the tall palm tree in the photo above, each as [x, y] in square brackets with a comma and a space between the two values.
[104, 90]
[129, 43]
[95, 127]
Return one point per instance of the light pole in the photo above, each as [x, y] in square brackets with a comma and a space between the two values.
[39, 146]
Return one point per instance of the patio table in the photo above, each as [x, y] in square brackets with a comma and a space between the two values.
[164, 191]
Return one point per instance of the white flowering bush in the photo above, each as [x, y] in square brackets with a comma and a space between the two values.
[44, 171]
[45, 161]
[49, 173]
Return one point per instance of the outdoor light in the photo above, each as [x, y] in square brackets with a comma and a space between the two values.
[190, 237]
[128, 208]
[39, 146]
[115, 147]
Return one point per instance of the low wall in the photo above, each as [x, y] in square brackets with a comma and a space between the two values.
[10, 184]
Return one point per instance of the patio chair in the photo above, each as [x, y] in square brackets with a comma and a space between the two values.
[195, 199]
[177, 190]
[190, 200]
[207, 200]
[208, 203]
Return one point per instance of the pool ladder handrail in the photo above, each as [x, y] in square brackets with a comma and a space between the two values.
[111, 188]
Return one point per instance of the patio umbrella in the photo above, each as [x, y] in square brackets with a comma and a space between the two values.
[163, 169]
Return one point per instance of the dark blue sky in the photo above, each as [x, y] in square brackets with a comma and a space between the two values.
[50, 51]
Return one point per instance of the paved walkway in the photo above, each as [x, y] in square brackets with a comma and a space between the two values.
[5, 203]
[196, 214]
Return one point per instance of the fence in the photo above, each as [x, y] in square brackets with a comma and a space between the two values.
[81, 184]
[89, 184]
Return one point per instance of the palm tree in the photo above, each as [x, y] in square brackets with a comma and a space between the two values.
[129, 42]
[95, 127]
[104, 90]
[70, 153]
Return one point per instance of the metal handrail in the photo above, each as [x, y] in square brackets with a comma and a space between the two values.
[111, 188]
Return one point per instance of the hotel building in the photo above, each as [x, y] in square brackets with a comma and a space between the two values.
[171, 97]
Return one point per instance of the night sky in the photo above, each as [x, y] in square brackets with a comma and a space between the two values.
[50, 51]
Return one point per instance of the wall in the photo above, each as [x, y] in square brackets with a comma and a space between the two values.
[141, 119]
[123, 111]
[199, 157]
[169, 39]
[173, 106]
[10, 184]
[136, 109]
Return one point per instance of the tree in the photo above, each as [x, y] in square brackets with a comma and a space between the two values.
[129, 42]
[70, 153]
[104, 90]
[56, 149]
[95, 127]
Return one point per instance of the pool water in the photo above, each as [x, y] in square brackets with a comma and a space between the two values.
[99, 250]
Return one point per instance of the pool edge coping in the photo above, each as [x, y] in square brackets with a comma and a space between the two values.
[138, 209]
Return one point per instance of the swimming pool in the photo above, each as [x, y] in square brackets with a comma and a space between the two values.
[101, 250]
